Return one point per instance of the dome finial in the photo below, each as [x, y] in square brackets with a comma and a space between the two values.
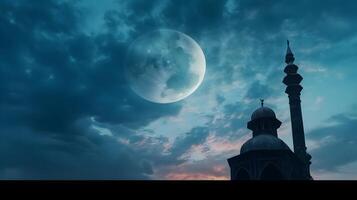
[289, 57]
[262, 102]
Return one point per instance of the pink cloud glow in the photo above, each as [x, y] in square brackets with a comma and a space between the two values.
[194, 176]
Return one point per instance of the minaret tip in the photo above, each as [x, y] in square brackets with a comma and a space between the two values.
[288, 51]
[289, 57]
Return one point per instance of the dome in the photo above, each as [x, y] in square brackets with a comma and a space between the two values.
[264, 142]
[263, 112]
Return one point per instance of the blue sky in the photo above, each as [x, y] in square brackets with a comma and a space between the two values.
[66, 111]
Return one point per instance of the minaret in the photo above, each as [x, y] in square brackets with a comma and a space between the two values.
[293, 89]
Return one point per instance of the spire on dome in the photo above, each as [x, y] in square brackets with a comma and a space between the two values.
[289, 57]
[262, 102]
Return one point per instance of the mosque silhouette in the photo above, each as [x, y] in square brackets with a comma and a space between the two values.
[265, 156]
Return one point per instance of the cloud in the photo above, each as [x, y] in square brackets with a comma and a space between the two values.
[182, 144]
[258, 91]
[28, 155]
[65, 68]
[335, 142]
[212, 168]
[54, 77]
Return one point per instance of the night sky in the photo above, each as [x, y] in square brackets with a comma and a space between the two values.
[67, 112]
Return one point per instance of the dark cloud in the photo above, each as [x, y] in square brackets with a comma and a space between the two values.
[28, 155]
[258, 91]
[53, 76]
[195, 16]
[63, 70]
[336, 142]
[262, 17]
[195, 137]
[220, 99]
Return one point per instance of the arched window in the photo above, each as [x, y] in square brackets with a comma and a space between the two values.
[271, 172]
[242, 174]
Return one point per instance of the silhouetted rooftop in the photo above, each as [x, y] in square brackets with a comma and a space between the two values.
[264, 142]
[263, 112]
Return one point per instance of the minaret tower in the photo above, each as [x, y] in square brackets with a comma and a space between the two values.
[292, 80]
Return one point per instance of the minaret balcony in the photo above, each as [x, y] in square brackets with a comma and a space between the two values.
[291, 69]
[293, 89]
[292, 79]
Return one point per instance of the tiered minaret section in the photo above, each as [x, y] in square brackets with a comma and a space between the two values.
[292, 80]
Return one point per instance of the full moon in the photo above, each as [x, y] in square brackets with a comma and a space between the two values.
[165, 66]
